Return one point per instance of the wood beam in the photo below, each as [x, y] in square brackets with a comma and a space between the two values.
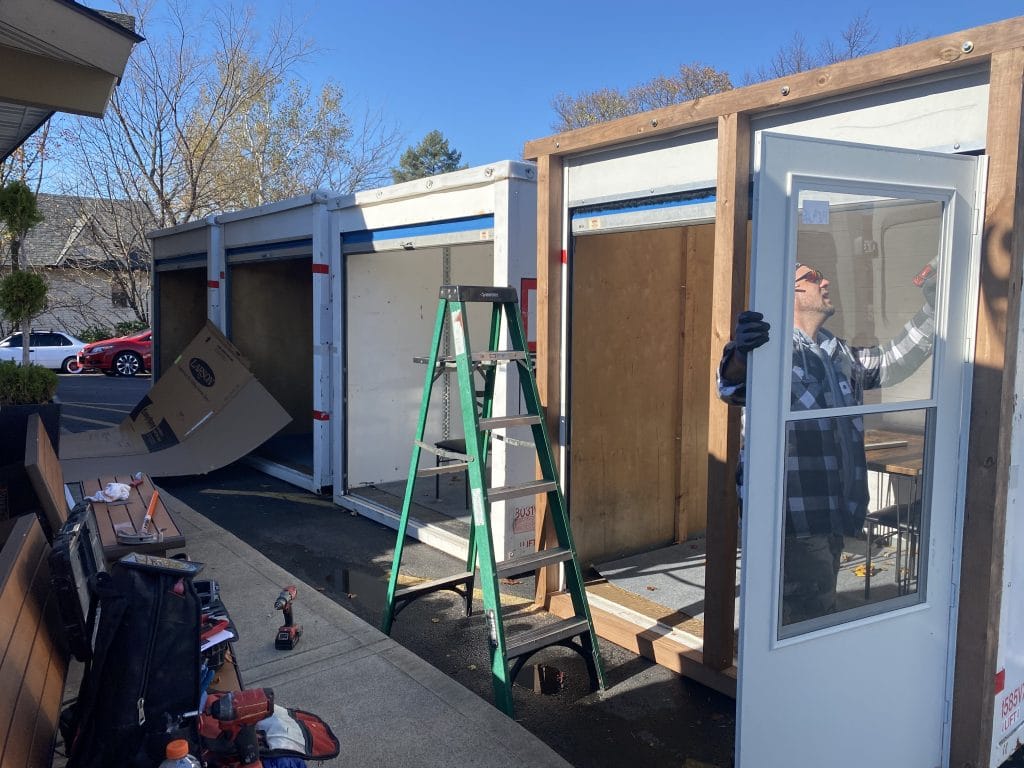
[727, 296]
[549, 336]
[916, 60]
[992, 418]
[612, 623]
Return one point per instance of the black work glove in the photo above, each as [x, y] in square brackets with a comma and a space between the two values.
[751, 331]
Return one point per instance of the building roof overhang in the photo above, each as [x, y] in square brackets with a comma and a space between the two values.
[56, 56]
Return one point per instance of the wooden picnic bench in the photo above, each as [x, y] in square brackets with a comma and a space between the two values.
[128, 515]
[33, 655]
[47, 479]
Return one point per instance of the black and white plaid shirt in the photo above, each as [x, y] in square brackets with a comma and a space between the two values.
[826, 471]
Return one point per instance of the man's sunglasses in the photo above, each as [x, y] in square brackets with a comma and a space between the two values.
[813, 276]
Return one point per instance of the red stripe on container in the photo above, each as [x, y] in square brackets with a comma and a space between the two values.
[321, 416]
[565, 257]
[320, 269]
[1000, 680]
[213, 283]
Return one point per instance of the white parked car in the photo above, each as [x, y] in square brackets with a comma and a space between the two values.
[50, 349]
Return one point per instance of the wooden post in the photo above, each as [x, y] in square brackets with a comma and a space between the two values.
[992, 417]
[549, 335]
[727, 296]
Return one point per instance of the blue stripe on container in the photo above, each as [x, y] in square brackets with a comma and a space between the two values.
[591, 213]
[263, 247]
[419, 230]
[183, 258]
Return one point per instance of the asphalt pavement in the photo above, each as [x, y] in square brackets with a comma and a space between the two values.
[648, 716]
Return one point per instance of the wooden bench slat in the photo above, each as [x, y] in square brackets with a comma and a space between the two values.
[33, 665]
[44, 471]
[14, 668]
[48, 715]
[19, 564]
[27, 705]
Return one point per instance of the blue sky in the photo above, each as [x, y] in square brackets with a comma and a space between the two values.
[484, 73]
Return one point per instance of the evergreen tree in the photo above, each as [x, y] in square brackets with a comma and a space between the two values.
[431, 156]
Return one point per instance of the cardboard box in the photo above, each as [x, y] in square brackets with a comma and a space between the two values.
[206, 411]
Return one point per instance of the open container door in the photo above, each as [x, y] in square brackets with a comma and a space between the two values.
[869, 677]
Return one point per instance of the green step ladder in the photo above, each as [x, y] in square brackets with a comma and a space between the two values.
[508, 654]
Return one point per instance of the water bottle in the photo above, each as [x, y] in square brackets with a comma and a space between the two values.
[178, 756]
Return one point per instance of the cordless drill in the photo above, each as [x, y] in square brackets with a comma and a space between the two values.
[229, 724]
[288, 634]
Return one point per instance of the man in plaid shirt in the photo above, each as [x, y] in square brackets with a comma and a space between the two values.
[826, 470]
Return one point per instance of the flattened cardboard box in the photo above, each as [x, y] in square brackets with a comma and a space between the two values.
[206, 411]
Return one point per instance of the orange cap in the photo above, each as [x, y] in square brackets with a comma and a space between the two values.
[177, 749]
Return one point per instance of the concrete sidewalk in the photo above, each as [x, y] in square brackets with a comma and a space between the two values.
[387, 706]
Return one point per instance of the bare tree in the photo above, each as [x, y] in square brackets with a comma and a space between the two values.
[207, 118]
[859, 38]
[28, 163]
[693, 81]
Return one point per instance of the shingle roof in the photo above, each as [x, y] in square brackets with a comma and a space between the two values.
[79, 231]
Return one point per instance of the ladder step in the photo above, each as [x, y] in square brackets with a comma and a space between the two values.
[444, 453]
[533, 562]
[500, 422]
[550, 634]
[491, 293]
[498, 356]
[443, 469]
[518, 491]
[425, 587]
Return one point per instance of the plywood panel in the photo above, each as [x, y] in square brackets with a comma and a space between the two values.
[692, 512]
[181, 312]
[271, 323]
[625, 390]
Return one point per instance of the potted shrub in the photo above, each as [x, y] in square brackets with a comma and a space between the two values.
[24, 389]
[23, 294]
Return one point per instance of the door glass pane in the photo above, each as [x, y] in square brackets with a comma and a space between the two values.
[864, 291]
[851, 544]
[863, 297]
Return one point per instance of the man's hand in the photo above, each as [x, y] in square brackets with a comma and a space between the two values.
[751, 331]
[928, 288]
[927, 280]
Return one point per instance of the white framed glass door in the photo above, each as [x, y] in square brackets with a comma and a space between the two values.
[863, 263]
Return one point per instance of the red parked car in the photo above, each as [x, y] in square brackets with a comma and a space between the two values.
[123, 356]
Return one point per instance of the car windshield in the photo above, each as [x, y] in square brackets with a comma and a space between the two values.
[11, 341]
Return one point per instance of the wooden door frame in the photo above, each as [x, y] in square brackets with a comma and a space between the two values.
[1000, 48]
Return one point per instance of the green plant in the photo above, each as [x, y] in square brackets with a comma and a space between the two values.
[22, 295]
[19, 212]
[129, 327]
[92, 333]
[26, 384]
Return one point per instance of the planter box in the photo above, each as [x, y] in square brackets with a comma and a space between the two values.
[16, 494]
